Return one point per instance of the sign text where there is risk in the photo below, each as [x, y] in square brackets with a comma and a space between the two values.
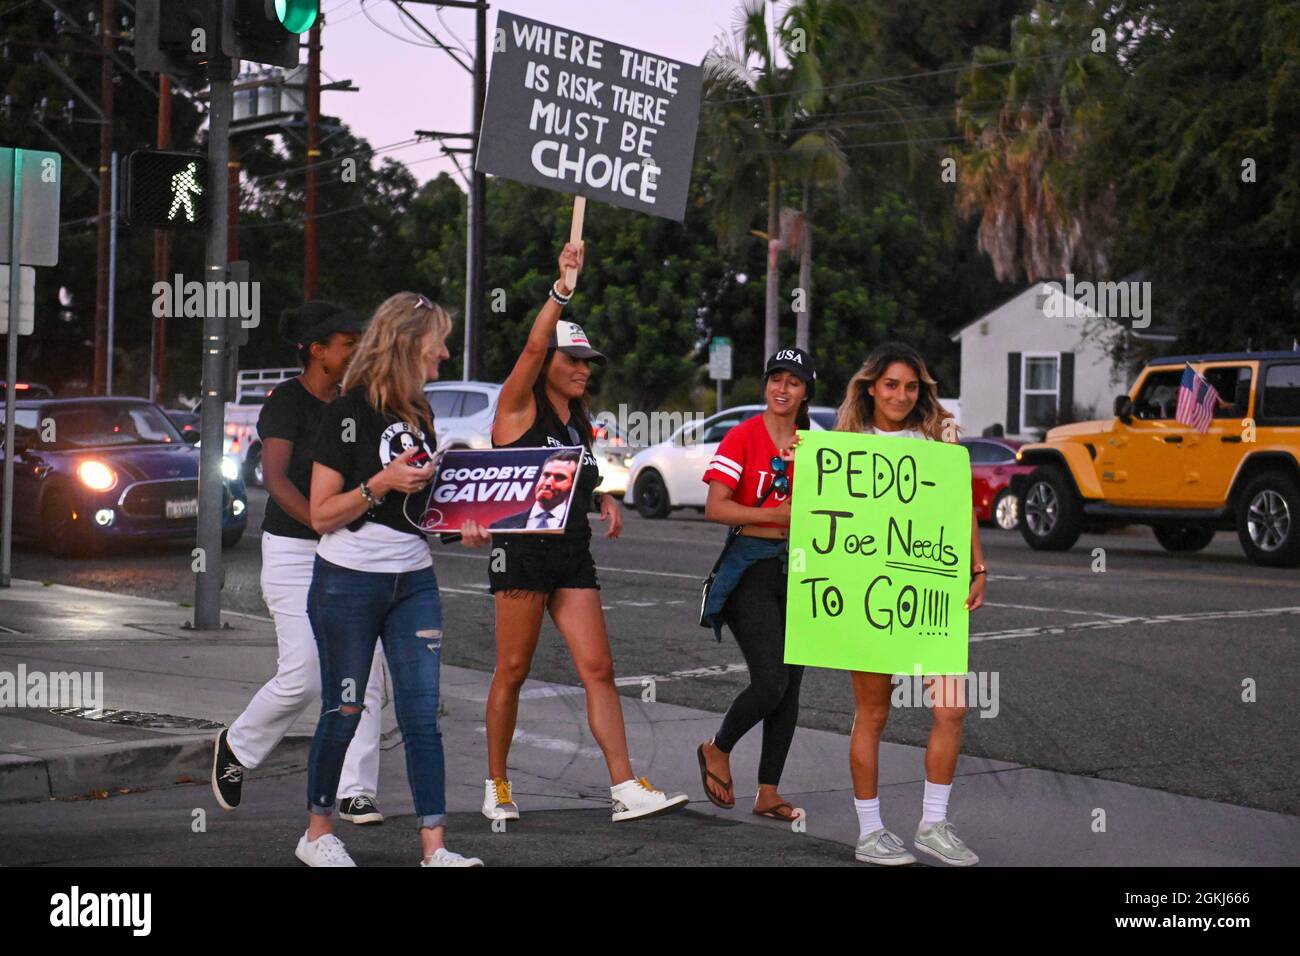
[880, 540]
[591, 117]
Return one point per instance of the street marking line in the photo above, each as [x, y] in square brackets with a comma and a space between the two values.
[1190, 617]
[555, 744]
[1060, 610]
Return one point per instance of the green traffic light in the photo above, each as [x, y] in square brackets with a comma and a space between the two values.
[297, 16]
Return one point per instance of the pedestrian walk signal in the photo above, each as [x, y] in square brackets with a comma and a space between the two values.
[166, 190]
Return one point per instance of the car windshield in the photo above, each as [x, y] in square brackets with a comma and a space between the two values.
[101, 424]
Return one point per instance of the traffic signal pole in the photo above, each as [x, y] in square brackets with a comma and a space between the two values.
[158, 350]
[99, 377]
[208, 561]
[311, 247]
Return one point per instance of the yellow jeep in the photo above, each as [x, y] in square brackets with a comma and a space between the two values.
[1143, 467]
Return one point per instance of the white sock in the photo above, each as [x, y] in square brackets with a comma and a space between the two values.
[934, 805]
[868, 816]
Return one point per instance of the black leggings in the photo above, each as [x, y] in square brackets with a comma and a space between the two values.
[755, 612]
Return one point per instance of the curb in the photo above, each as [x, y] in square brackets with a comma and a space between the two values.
[133, 766]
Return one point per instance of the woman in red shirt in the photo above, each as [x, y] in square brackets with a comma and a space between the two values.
[749, 478]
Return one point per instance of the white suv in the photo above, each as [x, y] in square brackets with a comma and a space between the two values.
[667, 475]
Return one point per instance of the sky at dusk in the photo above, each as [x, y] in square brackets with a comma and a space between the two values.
[407, 84]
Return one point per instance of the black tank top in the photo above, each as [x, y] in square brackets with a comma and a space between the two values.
[547, 431]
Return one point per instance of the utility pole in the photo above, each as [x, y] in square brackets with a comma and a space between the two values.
[99, 380]
[207, 583]
[311, 248]
[158, 345]
[476, 201]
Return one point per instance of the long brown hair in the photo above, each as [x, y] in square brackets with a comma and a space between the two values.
[857, 411]
[389, 362]
[579, 412]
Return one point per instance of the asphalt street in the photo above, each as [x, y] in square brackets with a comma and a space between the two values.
[1134, 674]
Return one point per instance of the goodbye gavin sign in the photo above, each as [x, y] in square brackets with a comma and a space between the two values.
[879, 555]
[590, 117]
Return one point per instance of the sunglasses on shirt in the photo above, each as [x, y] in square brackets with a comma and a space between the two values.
[781, 483]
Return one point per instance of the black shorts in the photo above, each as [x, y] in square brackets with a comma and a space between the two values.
[528, 563]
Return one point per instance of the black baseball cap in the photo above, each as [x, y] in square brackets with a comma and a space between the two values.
[317, 320]
[795, 361]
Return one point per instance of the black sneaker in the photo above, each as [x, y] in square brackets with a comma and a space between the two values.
[227, 775]
[360, 810]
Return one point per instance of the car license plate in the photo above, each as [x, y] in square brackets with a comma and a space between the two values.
[185, 508]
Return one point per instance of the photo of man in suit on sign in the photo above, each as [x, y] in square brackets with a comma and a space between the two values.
[550, 496]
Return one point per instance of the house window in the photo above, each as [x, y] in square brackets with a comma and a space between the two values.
[1040, 395]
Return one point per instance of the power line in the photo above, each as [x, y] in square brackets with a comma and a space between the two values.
[894, 79]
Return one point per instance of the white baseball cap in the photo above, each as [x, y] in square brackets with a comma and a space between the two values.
[569, 338]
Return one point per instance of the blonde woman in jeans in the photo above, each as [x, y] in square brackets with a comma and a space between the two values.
[894, 395]
[374, 576]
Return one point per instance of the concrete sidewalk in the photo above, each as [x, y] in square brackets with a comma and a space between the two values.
[151, 665]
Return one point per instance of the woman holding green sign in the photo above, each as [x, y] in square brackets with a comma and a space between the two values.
[749, 479]
[893, 394]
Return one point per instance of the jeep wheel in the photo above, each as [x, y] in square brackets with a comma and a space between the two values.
[1183, 537]
[652, 496]
[1268, 520]
[1050, 515]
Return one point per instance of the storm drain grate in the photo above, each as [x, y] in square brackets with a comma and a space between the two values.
[137, 718]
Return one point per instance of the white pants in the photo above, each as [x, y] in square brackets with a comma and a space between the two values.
[286, 576]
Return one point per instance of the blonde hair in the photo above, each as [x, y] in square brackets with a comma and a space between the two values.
[389, 359]
[857, 412]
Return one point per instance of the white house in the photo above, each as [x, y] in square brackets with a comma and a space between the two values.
[1028, 364]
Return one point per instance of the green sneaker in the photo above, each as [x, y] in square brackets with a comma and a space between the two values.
[882, 847]
[939, 841]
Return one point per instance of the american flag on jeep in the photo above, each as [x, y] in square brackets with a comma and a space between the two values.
[1197, 399]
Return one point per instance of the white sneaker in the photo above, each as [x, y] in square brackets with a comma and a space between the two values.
[327, 850]
[444, 857]
[497, 802]
[884, 848]
[636, 798]
[942, 843]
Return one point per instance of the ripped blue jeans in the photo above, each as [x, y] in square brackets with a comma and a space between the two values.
[349, 611]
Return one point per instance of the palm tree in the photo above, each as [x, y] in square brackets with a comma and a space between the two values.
[762, 133]
[1026, 124]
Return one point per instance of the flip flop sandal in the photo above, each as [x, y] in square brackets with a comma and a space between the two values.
[771, 813]
[706, 775]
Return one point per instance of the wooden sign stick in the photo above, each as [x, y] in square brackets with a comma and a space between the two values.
[575, 237]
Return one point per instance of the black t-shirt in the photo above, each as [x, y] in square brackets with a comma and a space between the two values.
[547, 431]
[294, 414]
[358, 443]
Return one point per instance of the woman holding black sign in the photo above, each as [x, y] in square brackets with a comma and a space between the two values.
[543, 403]
[373, 576]
[894, 395]
[750, 479]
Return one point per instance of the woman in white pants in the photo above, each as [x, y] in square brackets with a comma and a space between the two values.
[325, 335]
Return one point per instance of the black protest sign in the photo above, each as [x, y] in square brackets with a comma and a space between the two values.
[590, 117]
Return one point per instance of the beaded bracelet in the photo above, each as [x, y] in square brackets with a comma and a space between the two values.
[554, 295]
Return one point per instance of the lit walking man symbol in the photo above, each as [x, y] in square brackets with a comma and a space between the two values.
[185, 186]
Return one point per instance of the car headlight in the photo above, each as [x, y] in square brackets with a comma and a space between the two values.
[96, 475]
[229, 468]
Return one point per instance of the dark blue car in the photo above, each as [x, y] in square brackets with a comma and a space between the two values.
[90, 471]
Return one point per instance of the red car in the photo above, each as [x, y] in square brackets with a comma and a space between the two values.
[992, 466]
